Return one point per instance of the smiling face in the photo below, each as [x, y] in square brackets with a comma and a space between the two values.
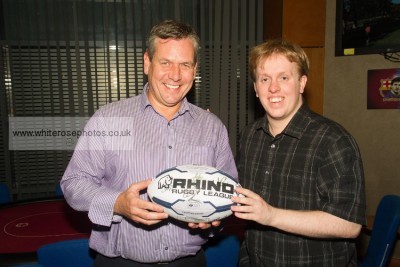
[279, 86]
[170, 73]
[395, 88]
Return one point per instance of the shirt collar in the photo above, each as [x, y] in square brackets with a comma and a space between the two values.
[296, 126]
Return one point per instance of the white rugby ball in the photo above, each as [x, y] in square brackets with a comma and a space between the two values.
[194, 193]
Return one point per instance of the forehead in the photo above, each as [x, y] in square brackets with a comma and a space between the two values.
[174, 47]
[276, 63]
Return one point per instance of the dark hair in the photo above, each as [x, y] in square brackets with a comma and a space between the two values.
[172, 29]
[294, 53]
[395, 80]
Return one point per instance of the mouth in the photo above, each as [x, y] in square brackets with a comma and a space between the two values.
[275, 99]
[171, 86]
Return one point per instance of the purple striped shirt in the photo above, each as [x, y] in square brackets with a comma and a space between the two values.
[126, 142]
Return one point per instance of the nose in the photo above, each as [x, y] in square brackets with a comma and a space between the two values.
[175, 72]
[274, 87]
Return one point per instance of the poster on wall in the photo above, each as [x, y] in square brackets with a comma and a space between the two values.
[383, 89]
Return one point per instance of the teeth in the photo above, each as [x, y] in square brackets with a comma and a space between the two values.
[172, 86]
[275, 99]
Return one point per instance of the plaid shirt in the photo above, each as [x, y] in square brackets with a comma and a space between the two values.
[315, 164]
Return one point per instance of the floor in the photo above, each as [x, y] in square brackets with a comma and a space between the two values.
[14, 259]
[10, 259]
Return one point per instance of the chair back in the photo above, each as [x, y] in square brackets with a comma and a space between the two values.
[222, 250]
[58, 190]
[384, 232]
[5, 194]
[68, 253]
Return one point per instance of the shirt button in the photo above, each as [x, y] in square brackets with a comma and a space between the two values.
[166, 248]
[272, 146]
[170, 147]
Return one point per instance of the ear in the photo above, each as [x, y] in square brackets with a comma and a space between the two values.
[255, 89]
[194, 70]
[303, 82]
[147, 63]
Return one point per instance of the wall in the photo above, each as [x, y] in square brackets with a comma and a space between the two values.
[281, 20]
[338, 87]
[376, 131]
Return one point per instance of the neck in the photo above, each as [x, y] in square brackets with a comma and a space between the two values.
[275, 127]
[167, 112]
[273, 130]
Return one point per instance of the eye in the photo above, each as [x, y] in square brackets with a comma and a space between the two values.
[187, 66]
[264, 80]
[164, 63]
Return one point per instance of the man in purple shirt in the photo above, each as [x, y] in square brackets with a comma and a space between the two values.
[126, 143]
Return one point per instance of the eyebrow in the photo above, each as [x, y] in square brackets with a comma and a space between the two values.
[184, 62]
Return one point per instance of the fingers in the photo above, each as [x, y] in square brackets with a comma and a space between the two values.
[204, 225]
[199, 225]
[140, 185]
[250, 206]
[216, 223]
[136, 202]
[146, 212]
[146, 205]
[247, 197]
[148, 217]
[130, 204]
[246, 211]
[246, 192]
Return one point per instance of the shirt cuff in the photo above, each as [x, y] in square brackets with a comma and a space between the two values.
[116, 218]
[101, 211]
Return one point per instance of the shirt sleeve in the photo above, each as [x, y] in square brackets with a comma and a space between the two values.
[225, 158]
[81, 182]
[341, 181]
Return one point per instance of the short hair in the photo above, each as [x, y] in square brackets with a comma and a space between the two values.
[172, 29]
[395, 80]
[293, 52]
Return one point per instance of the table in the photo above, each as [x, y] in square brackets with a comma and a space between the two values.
[26, 226]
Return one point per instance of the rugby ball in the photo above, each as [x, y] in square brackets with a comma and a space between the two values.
[194, 193]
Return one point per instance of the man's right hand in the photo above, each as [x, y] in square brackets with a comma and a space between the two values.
[130, 205]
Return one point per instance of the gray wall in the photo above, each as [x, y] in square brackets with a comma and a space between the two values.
[377, 131]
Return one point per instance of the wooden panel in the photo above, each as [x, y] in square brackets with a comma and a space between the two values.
[314, 92]
[304, 22]
[273, 18]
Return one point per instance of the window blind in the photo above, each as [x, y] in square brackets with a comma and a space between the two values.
[70, 57]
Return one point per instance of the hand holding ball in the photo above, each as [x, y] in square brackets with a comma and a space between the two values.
[194, 193]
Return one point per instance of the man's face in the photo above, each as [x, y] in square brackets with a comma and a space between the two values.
[395, 88]
[279, 87]
[170, 73]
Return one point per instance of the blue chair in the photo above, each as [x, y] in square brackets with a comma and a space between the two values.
[68, 253]
[222, 250]
[5, 194]
[59, 192]
[384, 232]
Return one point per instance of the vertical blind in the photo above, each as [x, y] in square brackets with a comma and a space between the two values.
[70, 57]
